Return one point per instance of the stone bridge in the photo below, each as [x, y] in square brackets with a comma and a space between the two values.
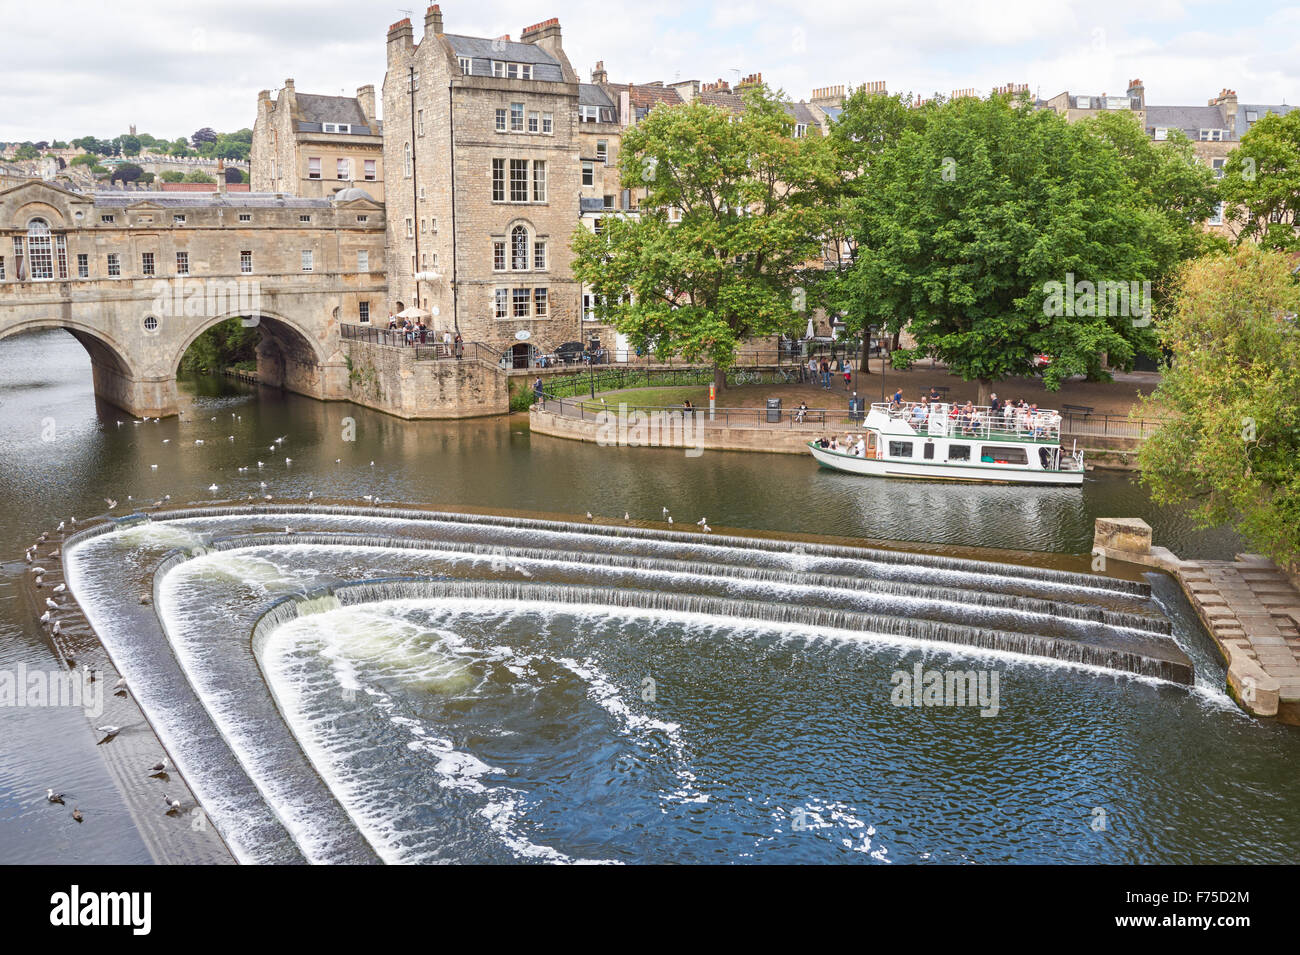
[137, 277]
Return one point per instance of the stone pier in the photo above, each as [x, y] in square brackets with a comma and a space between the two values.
[1249, 606]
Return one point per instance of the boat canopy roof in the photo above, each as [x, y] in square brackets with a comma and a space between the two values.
[959, 423]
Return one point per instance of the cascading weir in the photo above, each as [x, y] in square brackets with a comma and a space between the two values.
[227, 583]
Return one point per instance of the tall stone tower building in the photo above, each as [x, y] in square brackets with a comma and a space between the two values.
[484, 168]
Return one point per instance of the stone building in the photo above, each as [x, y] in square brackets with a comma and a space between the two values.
[1076, 107]
[484, 158]
[137, 276]
[313, 146]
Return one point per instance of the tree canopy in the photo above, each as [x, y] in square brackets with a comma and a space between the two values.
[1261, 182]
[995, 232]
[745, 193]
[127, 172]
[1231, 445]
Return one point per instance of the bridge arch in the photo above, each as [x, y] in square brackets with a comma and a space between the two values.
[291, 354]
[116, 378]
[279, 326]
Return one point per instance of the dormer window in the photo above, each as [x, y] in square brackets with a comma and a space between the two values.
[466, 65]
[512, 71]
[337, 127]
[1213, 135]
[1161, 133]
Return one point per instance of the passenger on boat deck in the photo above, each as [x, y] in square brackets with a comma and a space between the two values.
[919, 413]
[860, 448]
[964, 420]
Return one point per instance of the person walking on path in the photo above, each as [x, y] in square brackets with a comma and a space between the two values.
[537, 390]
[460, 347]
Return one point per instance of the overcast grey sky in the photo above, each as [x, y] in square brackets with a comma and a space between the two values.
[71, 68]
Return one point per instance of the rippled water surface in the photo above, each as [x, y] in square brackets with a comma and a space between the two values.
[525, 730]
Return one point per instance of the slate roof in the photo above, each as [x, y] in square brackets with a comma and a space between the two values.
[482, 51]
[1190, 119]
[314, 110]
[1243, 125]
[800, 113]
[591, 95]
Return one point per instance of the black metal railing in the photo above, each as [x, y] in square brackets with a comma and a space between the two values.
[424, 351]
[1108, 426]
[589, 410]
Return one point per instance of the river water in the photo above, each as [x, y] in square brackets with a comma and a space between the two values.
[537, 710]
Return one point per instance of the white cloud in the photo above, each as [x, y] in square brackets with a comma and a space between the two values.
[172, 70]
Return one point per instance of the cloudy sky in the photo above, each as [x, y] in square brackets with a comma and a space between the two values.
[173, 68]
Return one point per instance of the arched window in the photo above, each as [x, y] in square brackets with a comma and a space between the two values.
[40, 250]
[519, 248]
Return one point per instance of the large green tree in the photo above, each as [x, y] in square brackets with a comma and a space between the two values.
[1231, 444]
[733, 267]
[1261, 182]
[870, 123]
[979, 230]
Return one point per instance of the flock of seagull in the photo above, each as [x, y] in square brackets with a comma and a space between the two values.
[53, 625]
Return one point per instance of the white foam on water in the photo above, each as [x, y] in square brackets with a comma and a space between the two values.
[379, 636]
[958, 651]
[602, 691]
[191, 642]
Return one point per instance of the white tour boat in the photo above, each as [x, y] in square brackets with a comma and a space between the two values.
[952, 443]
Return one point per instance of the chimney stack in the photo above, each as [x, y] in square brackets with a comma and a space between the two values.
[400, 40]
[598, 76]
[433, 21]
[366, 97]
[545, 34]
[828, 96]
[221, 177]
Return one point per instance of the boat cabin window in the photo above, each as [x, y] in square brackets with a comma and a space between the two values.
[929, 451]
[993, 454]
[959, 452]
[900, 449]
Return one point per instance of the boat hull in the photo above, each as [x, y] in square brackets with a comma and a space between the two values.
[932, 471]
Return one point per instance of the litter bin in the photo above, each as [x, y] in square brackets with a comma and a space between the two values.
[773, 410]
[857, 408]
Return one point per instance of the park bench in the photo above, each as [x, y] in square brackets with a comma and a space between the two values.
[1082, 410]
